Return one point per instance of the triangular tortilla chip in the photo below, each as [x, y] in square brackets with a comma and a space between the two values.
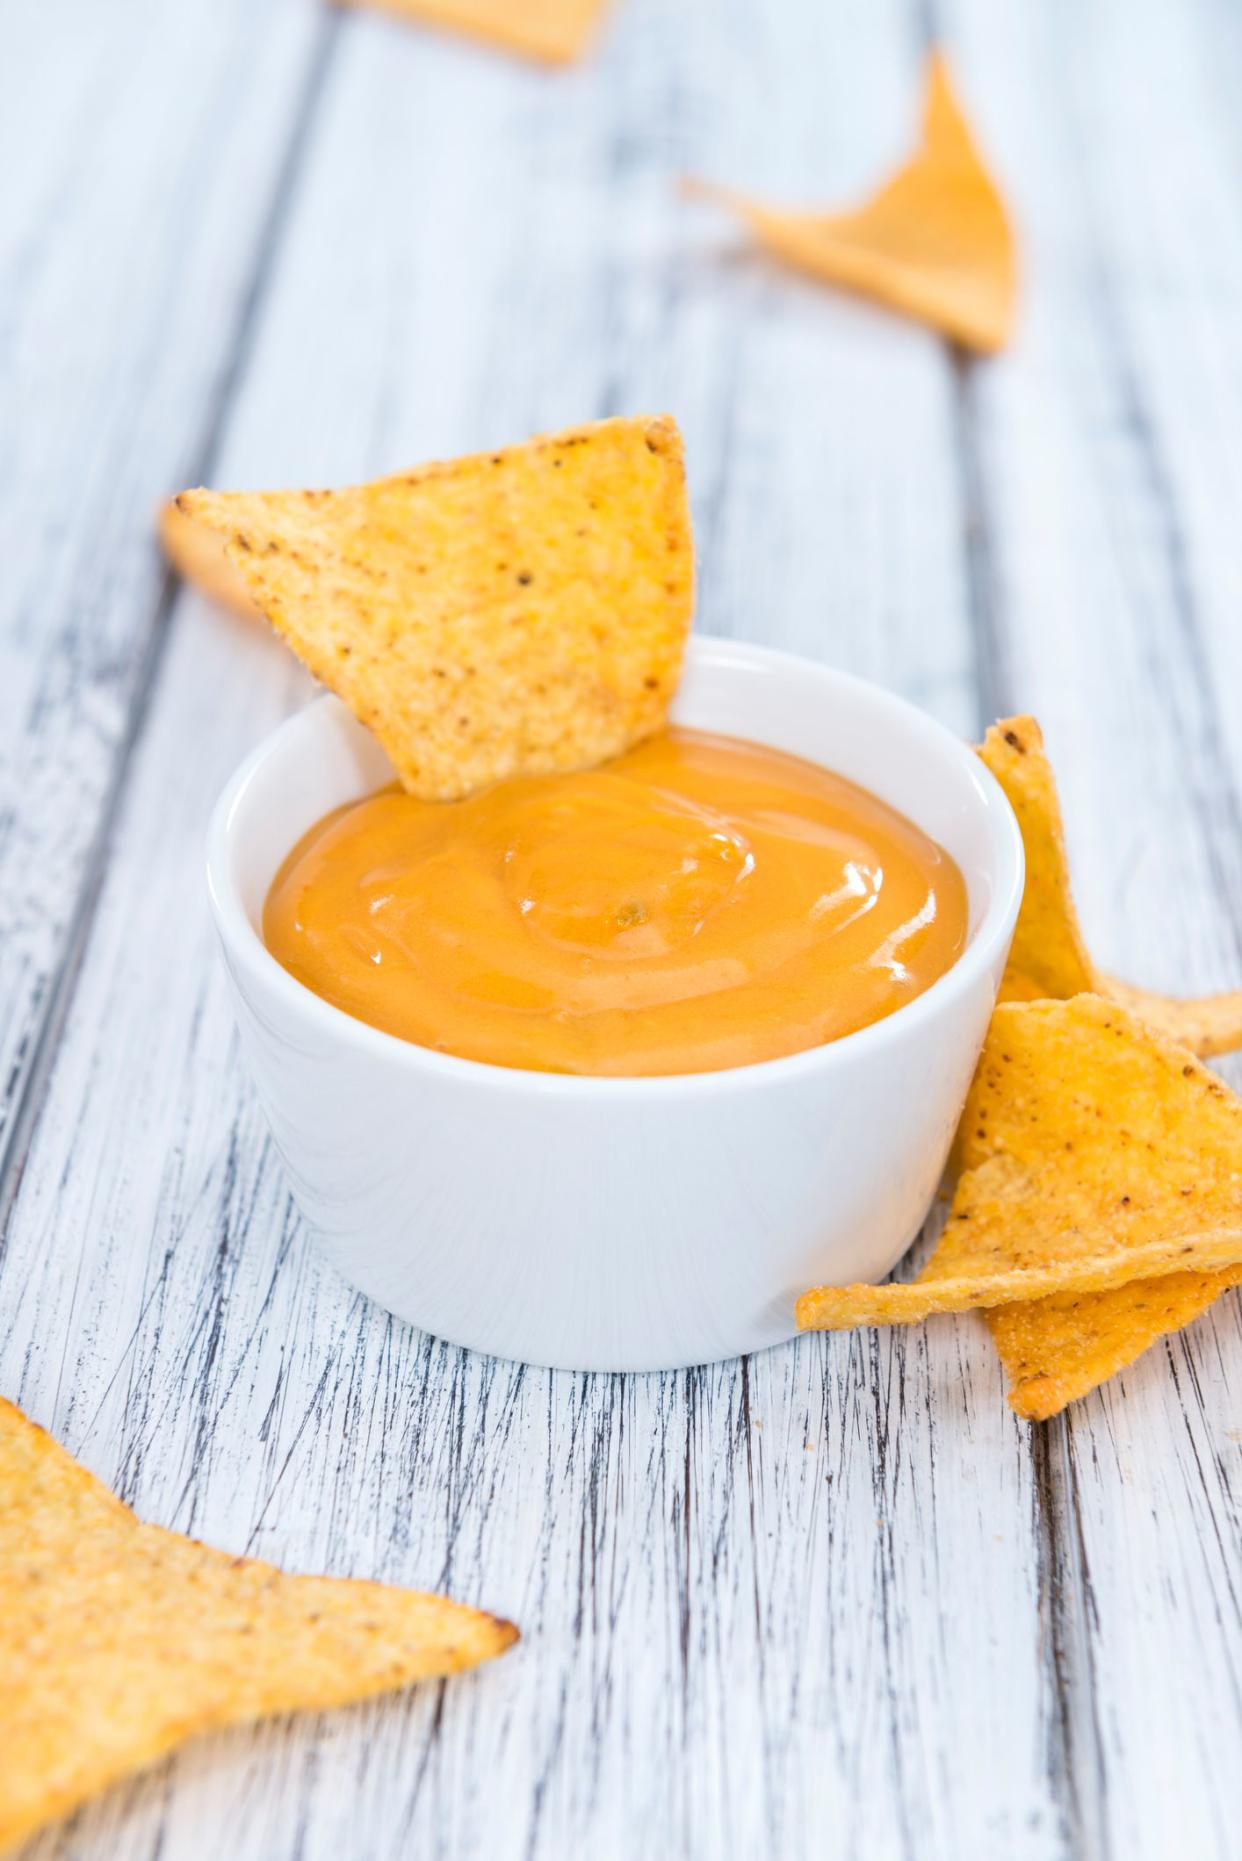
[556, 31]
[513, 613]
[1049, 956]
[1094, 1153]
[199, 556]
[1084, 1131]
[934, 243]
[119, 1640]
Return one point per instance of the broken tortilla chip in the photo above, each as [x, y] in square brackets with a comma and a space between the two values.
[1049, 956]
[934, 243]
[1099, 1206]
[514, 613]
[198, 555]
[119, 1640]
[556, 31]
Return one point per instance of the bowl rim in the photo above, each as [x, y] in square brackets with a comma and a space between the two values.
[244, 946]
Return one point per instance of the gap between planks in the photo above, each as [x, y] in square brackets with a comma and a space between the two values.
[1075, 1760]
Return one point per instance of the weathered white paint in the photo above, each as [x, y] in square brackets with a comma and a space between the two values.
[143, 150]
[833, 1599]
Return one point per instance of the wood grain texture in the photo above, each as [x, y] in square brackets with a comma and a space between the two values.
[735, 1602]
[144, 153]
[833, 1598]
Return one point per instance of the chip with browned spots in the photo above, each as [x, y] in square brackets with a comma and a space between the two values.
[120, 1640]
[1049, 956]
[520, 612]
[934, 243]
[1109, 1135]
[1099, 1205]
[199, 557]
[555, 31]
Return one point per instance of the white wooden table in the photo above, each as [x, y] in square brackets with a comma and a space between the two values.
[834, 1600]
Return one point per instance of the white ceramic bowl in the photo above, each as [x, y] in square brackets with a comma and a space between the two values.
[620, 1224]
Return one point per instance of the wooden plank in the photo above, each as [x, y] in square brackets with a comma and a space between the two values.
[1111, 461]
[766, 1605]
[143, 153]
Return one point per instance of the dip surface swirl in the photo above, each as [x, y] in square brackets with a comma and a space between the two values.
[699, 903]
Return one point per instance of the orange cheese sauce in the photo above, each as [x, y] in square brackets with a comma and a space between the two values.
[698, 903]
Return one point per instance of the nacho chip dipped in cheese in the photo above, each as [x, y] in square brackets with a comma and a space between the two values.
[516, 612]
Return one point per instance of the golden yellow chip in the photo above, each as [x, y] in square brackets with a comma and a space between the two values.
[514, 613]
[1049, 956]
[840, 1308]
[119, 1640]
[1063, 1346]
[1086, 1132]
[1096, 1157]
[199, 556]
[1207, 1024]
[556, 31]
[934, 243]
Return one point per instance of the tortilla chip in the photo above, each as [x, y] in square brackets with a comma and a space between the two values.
[556, 31]
[1207, 1024]
[1085, 1132]
[1049, 956]
[1100, 1163]
[1061, 1347]
[934, 243]
[514, 613]
[198, 555]
[840, 1308]
[119, 1640]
